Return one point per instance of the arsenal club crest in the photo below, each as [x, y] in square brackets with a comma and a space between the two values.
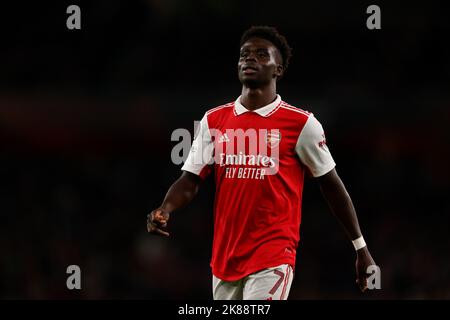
[273, 138]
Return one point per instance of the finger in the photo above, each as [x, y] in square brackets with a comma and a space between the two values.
[155, 229]
[158, 231]
[156, 212]
[160, 223]
[152, 218]
[362, 283]
[151, 226]
[160, 214]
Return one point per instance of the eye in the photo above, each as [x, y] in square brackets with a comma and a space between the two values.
[243, 54]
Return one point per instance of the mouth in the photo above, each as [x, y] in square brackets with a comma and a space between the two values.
[249, 69]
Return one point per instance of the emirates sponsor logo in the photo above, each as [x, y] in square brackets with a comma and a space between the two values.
[251, 149]
[246, 160]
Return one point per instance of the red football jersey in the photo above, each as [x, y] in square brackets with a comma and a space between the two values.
[259, 159]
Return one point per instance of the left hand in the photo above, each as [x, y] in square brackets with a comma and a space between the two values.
[363, 261]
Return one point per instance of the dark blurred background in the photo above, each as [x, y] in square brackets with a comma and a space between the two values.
[86, 118]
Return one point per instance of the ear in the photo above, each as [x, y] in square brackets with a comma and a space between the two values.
[279, 71]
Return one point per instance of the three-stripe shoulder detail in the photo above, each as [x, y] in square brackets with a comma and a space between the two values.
[287, 106]
[228, 105]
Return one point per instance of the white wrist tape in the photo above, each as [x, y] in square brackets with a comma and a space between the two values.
[359, 243]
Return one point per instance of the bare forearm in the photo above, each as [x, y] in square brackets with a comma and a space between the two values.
[182, 191]
[340, 203]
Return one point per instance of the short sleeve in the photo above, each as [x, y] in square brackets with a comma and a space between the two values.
[312, 149]
[201, 152]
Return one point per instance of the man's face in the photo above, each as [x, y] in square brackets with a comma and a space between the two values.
[259, 63]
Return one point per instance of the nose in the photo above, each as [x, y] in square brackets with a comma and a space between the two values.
[250, 57]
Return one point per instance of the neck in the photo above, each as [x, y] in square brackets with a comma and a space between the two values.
[255, 98]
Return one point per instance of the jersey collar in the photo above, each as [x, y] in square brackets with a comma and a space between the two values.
[263, 111]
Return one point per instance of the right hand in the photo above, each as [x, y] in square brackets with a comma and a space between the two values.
[156, 220]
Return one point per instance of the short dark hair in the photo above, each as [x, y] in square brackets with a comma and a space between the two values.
[271, 34]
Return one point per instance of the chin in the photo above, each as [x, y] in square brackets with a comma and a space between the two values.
[252, 83]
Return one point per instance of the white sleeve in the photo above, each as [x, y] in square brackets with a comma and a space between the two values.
[201, 152]
[312, 149]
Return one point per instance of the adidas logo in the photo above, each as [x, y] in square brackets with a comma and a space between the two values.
[224, 138]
